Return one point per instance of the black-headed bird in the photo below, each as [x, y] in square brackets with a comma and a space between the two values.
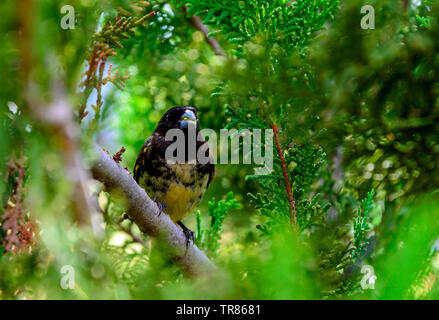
[177, 186]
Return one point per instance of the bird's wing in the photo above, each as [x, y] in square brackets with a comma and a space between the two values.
[210, 168]
[211, 175]
[141, 157]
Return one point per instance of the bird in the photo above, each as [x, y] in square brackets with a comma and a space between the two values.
[177, 186]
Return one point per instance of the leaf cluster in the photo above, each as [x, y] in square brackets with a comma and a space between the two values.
[210, 237]
[287, 24]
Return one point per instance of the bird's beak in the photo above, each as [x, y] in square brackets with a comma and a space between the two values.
[188, 120]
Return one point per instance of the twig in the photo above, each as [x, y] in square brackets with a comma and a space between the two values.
[118, 223]
[199, 25]
[127, 231]
[292, 202]
[19, 233]
[117, 157]
[146, 215]
[104, 44]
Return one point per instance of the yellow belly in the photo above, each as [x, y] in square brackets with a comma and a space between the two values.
[178, 200]
[180, 189]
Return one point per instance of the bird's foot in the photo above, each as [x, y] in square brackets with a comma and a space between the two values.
[190, 235]
[161, 206]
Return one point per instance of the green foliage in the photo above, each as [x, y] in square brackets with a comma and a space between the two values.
[129, 266]
[113, 31]
[210, 238]
[288, 24]
[356, 110]
[304, 164]
[241, 118]
[423, 19]
[406, 255]
[382, 97]
[361, 225]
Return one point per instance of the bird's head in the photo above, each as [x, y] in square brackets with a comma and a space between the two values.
[178, 118]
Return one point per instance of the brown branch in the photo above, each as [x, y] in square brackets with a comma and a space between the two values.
[291, 201]
[56, 117]
[118, 155]
[198, 24]
[105, 42]
[145, 213]
[19, 232]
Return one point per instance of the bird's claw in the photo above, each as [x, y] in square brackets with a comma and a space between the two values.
[190, 235]
[161, 206]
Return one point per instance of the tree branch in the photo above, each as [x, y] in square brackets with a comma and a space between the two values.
[57, 117]
[288, 189]
[145, 213]
[199, 25]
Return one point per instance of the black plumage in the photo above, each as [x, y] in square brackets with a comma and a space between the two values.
[177, 187]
